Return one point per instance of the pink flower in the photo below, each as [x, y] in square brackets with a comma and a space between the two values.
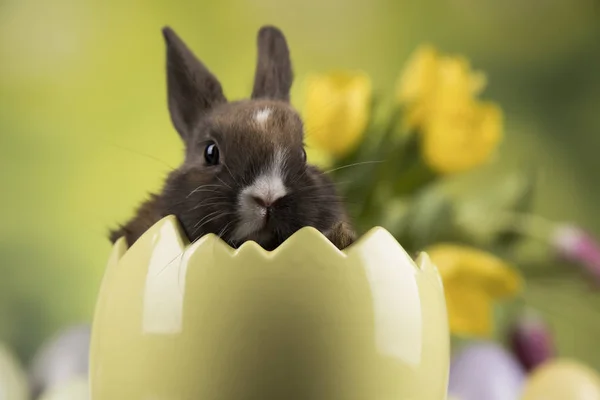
[574, 244]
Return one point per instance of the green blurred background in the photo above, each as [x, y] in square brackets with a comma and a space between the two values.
[85, 133]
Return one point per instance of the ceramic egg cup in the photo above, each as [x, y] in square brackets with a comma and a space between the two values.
[179, 321]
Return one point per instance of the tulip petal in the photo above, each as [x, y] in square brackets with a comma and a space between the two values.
[419, 77]
[469, 310]
[439, 93]
[473, 280]
[462, 137]
[337, 110]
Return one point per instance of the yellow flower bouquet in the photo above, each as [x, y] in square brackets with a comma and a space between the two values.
[392, 154]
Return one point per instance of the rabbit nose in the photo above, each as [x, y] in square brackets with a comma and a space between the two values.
[265, 202]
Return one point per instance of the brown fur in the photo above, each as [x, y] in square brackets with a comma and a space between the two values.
[147, 215]
[205, 197]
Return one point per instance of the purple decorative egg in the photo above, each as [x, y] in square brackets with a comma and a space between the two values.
[532, 341]
[484, 370]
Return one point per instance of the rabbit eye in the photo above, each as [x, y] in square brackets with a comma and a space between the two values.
[211, 154]
[303, 155]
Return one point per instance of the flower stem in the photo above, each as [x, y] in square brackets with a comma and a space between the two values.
[530, 225]
[379, 170]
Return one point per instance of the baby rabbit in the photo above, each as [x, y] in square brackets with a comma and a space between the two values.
[244, 175]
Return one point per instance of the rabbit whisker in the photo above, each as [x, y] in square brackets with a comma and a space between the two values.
[214, 217]
[201, 188]
[230, 174]
[217, 201]
[220, 180]
[222, 232]
[353, 165]
[209, 215]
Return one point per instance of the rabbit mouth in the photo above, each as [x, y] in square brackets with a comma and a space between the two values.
[257, 226]
[264, 229]
[263, 236]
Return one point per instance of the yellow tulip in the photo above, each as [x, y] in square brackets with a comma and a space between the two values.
[461, 137]
[416, 85]
[337, 111]
[473, 281]
[418, 79]
[457, 82]
[431, 81]
[439, 93]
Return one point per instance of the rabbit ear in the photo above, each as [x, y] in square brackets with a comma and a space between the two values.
[274, 75]
[192, 88]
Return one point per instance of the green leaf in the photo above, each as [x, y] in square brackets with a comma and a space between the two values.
[432, 218]
[521, 201]
[367, 176]
[355, 172]
[513, 191]
[406, 168]
[489, 215]
[395, 215]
